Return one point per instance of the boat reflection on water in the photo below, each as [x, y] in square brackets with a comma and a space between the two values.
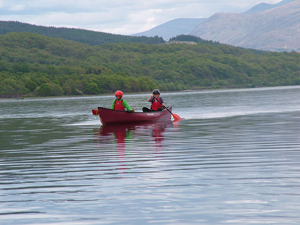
[126, 137]
[121, 132]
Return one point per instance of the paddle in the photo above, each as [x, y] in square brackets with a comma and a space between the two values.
[175, 116]
[95, 112]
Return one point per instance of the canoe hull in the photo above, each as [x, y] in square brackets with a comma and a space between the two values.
[110, 116]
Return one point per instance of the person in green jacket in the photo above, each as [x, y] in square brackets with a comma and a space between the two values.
[119, 103]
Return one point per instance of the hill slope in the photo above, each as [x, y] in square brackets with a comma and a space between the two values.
[79, 35]
[276, 29]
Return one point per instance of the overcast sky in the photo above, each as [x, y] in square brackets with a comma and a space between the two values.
[116, 16]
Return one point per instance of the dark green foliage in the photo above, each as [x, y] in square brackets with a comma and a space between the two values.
[37, 65]
[193, 39]
[92, 88]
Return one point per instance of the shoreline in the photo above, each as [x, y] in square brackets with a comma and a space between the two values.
[133, 93]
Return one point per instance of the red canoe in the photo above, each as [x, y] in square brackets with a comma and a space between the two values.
[110, 116]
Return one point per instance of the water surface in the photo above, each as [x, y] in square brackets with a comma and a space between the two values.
[233, 159]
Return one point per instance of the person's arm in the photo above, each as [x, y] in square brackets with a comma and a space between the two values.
[125, 104]
[150, 99]
[113, 104]
[162, 102]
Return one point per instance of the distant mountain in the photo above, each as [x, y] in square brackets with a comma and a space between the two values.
[276, 29]
[188, 26]
[79, 35]
[265, 6]
[172, 28]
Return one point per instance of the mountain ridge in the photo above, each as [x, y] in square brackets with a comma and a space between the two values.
[265, 6]
[80, 35]
[172, 28]
[276, 29]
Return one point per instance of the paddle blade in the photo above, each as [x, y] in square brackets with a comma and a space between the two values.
[176, 117]
[95, 112]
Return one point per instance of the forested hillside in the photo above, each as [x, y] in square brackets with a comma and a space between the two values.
[37, 65]
[80, 35]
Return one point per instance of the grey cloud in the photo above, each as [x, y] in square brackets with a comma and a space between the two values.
[124, 17]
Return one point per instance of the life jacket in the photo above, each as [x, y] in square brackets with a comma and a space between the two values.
[119, 105]
[156, 104]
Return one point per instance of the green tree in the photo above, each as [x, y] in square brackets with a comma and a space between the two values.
[49, 89]
[92, 88]
[30, 85]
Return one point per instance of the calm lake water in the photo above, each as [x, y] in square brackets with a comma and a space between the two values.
[234, 158]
